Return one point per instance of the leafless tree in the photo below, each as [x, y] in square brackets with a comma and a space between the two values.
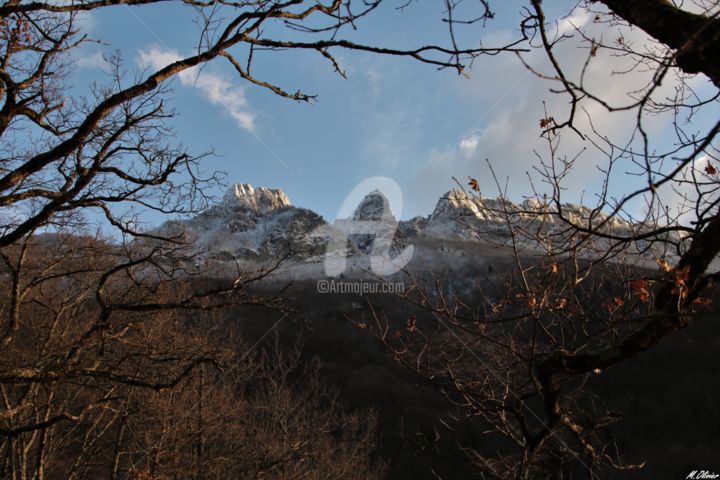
[273, 418]
[100, 330]
[590, 287]
[137, 374]
[78, 311]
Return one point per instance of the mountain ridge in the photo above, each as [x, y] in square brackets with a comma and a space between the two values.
[260, 223]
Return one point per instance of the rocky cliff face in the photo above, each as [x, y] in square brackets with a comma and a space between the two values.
[252, 223]
[374, 207]
[458, 213]
[260, 201]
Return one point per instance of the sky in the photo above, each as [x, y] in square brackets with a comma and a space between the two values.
[391, 117]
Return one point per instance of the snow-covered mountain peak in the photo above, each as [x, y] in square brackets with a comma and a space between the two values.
[261, 200]
[453, 204]
[374, 206]
[457, 205]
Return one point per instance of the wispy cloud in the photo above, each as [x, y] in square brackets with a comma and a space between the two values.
[468, 145]
[91, 60]
[214, 87]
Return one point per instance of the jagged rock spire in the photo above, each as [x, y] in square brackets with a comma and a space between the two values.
[259, 200]
[374, 207]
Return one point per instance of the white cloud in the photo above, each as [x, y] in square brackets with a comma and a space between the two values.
[214, 87]
[568, 25]
[468, 145]
[231, 98]
[92, 60]
[158, 58]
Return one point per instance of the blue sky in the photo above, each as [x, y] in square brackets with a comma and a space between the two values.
[393, 116]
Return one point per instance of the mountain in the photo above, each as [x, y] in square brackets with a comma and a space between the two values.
[260, 201]
[252, 224]
[466, 215]
[374, 207]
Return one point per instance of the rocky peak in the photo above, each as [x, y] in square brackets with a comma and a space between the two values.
[261, 200]
[254, 223]
[453, 204]
[374, 207]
